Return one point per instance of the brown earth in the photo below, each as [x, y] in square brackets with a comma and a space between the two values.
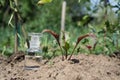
[81, 67]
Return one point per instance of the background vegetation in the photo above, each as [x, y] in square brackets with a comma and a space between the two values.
[101, 17]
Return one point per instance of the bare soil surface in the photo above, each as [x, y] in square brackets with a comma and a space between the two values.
[81, 67]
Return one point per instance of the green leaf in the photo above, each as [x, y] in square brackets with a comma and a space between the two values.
[44, 1]
[2, 2]
[9, 22]
[66, 46]
[114, 38]
[85, 17]
[11, 4]
[79, 1]
[4, 49]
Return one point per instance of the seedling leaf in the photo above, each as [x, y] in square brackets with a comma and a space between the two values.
[78, 40]
[56, 36]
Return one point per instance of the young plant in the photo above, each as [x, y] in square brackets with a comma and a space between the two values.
[66, 45]
[78, 40]
[56, 36]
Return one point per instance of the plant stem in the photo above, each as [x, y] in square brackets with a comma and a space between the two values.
[72, 52]
[66, 54]
[61, 52]
[16, 36]
[90, 51]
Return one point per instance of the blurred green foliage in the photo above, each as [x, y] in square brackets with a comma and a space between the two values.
[81, 17]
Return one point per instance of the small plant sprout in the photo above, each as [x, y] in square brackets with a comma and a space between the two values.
[66, 46]
[56, 36]
[78, 40]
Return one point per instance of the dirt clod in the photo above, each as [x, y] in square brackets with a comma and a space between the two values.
[19, 56]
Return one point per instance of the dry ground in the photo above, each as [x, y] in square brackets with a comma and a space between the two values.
[81, 67]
